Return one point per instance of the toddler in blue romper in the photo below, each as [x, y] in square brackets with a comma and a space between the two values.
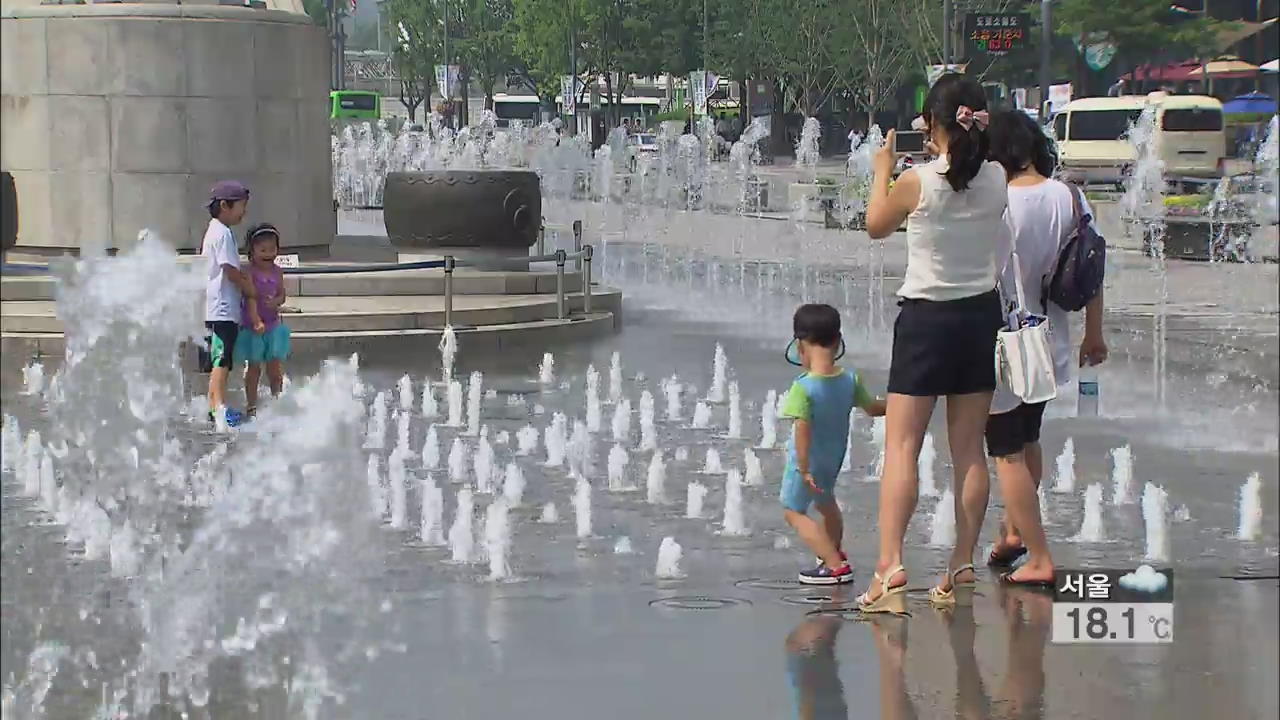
[820, 401]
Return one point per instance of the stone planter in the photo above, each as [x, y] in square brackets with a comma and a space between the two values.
[1194, 237]
[815, 200]
[476, 209]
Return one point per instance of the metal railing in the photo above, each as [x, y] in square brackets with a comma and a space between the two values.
[559, 257]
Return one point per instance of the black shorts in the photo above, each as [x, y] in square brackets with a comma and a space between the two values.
[220, 344]
[1008, 433]
[945, 347]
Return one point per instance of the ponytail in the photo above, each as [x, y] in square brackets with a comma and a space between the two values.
[966, 152]
[967, 147]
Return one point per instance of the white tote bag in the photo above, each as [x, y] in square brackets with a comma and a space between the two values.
[1024, 354]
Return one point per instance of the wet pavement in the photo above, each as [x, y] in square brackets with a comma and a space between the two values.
[582, 632]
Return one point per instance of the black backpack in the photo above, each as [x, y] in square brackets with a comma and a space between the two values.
[1082, 263]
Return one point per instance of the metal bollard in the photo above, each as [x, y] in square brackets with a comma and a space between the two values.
[560, 260]
[588, 251]
[449, 264]
[542, 239]
[577, 244]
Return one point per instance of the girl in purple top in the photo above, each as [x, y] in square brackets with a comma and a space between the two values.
[266, 341]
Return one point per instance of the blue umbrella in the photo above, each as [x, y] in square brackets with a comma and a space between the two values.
[1251, 103]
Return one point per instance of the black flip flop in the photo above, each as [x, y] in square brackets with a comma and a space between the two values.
[1006, 558]
[1007, 579]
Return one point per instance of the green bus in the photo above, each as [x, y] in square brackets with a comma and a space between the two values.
[357, 104]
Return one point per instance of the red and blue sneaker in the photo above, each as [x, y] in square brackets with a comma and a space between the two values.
[823, 575]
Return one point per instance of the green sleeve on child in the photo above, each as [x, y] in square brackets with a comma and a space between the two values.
[861, 398]
[796, 403]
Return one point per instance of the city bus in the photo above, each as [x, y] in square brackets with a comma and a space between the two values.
[1092, 148]
[354, 104]
[528, 108]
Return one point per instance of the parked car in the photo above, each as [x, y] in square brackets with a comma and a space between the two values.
[641, 144]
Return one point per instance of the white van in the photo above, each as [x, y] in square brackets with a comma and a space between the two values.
[1090, 135]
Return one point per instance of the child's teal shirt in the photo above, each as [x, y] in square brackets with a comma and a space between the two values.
[826, 402]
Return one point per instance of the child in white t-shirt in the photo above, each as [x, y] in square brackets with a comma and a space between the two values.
[225, 287]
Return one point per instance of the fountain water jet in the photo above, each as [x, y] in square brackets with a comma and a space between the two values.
[526, 440]
[513, 485]
[1091, 530]
[734, 522]
[655, 480]
[497, 537]
[669, 553]
[429, 406]
[754, 475]
[547, 369]
[712, 466]
[406, 392]
[555, 437]
[617, 468]
[582, 508]
[701, 416]
[431, 448]
[719, 376]
[615, 377]
[1121, 475]
[671, 388]
[621, 425]
[474, 394]
[1155, 510]
[448, 351]
[593, 399]
[1250, 527]
[461, 537]
[454, 400]
[942, 530]
[397, 479]
[431, 530]
[457, 461]
[769, 421]
[694, 498]
[735, 412]
[1065, 477]
[648, 432]
[928, 456]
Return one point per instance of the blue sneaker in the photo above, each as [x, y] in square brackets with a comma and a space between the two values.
[233, 417]
[823, 575]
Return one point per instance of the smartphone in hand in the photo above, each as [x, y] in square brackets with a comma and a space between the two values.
[908, 142]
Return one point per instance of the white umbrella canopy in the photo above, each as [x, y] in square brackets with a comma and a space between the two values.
[1273, 66]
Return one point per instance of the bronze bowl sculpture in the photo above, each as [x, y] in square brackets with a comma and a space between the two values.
[483, 210]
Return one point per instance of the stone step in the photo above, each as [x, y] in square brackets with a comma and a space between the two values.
[355, 313]
[489, 338]
[392, 282]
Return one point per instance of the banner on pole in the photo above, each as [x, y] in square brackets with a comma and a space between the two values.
[1059, 96]
[447, 81]
[698, 91]
[568, 94]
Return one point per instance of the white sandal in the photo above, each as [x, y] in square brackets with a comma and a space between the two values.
[958, 590]
[891, 599]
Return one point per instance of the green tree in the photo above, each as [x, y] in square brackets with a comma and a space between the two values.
[542, 37]
[318, 11]
[877, 52]
[483, 41]
[1150, 29]
[416, 26]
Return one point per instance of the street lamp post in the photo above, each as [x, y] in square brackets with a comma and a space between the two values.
[1046, 41]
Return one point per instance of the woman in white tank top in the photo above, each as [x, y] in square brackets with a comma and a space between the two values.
[944, 337]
